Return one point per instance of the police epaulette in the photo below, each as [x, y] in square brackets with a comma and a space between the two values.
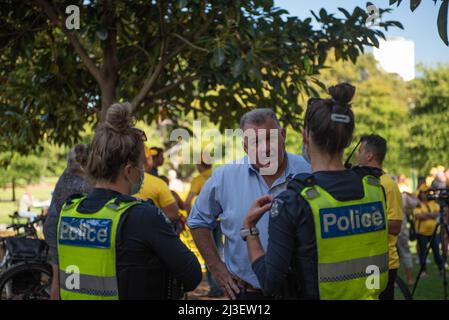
[301, 181]
[73, 197]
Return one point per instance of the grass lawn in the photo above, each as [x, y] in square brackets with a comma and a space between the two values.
[41, 191]
[430, 287]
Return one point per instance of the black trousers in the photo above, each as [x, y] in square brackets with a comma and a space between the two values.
[388, 293]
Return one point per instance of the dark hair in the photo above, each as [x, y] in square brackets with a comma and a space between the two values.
[115, 144]
[331, 121]
[158, 150]
[375, 144]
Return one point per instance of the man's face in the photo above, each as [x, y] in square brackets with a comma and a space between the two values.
[265, 145]
[158, 159]
[148, 164]
[363, 156]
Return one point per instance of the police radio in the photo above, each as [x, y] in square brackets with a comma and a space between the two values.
[348, 165]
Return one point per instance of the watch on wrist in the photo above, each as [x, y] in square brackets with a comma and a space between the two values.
[245, 232]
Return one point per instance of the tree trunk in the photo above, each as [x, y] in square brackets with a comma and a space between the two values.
[108, 97]
[13, 189]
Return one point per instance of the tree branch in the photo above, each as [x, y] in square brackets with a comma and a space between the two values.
[152, 76]
[74, 40]
[186, 41]
[173, 86]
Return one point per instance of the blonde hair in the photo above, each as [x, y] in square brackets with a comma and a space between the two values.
[115, 144]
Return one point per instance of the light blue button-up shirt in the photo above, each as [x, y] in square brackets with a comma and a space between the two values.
[227, 195]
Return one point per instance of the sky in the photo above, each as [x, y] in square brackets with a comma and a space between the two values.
[419, 26]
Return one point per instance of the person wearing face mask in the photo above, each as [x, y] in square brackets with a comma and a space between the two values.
[327, 233]
[110, 244]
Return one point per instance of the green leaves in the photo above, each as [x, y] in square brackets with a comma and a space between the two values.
[221, 58]
[442, 21]
[414, 4]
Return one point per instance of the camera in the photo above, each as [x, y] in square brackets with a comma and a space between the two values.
[438, 195]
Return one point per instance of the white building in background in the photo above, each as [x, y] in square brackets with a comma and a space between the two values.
[397, 55]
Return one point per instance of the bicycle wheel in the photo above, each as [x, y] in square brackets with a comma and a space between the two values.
[26, 281]
[403, 288]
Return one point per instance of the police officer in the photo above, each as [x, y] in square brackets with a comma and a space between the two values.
[327, 232]
[112, 245]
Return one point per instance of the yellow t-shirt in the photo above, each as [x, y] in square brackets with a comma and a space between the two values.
[198, 182]
[426, 227]
[394, 212]
[155, 189]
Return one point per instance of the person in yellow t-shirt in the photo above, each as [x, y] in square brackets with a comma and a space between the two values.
[425, 223]
[157, 190]
[372, 152]
[197, 183]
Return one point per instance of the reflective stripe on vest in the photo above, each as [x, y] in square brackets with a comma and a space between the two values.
[90, 285]
[86, 244]
[351, 269]
[352, 242]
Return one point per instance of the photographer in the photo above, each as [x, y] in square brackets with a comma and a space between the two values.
[425, 223]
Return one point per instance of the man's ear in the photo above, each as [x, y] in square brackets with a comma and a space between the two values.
[245, 144]
[283, 133]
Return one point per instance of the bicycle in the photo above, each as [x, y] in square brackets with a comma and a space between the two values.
[25, 273]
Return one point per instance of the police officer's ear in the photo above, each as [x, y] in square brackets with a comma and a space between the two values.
[305, 137]
[128, 172]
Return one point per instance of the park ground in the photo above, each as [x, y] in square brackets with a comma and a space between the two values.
[430, 287]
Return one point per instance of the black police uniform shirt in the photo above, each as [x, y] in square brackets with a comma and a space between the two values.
[289, 269]
[146, 248]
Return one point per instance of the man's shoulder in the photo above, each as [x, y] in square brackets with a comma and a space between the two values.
[154, 182]
[388, 183]
[298, 163]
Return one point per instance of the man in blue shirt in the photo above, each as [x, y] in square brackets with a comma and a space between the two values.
[231, 190]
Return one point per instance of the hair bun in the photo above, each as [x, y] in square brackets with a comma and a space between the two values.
[342, 93]
[81, 153]
[119, 117]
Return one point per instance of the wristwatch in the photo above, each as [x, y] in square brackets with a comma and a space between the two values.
[253, 231]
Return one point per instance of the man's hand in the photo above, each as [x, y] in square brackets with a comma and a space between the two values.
[257, 209]
[225, 280]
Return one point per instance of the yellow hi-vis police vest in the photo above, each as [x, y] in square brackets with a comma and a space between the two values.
[352, 242]
[86, 249]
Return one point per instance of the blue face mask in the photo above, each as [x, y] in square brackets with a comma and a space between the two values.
[135, 188]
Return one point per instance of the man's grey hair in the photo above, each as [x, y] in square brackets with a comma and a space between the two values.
[259, 116]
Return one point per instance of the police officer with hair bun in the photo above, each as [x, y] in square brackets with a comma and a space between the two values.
[328, 236]
[110, 244]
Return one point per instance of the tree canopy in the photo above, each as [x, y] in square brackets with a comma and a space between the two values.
[429, 143]
[170, 58]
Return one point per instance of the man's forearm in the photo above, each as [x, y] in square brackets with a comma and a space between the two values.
[206, 245]
[171, 211]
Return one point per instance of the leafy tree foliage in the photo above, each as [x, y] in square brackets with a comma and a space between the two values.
[170, 58]
[429, 143]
